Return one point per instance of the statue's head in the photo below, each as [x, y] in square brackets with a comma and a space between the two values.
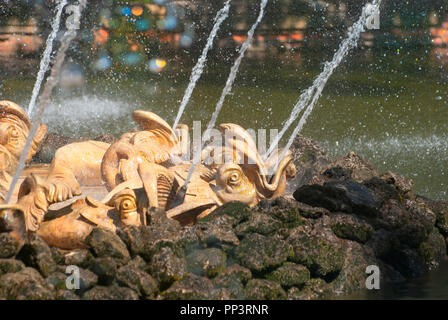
[15, 126]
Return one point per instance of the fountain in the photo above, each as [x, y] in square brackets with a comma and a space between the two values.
[177, 225]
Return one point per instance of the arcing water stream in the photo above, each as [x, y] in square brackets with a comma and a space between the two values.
[199, 67]
[45, 62]
[227, 88]
[46, 94]
[319, 83]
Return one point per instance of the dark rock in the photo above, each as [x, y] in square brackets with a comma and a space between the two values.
[353, 274]
[37, 254]
[10, 266]
[110, 293]
[107, 244]
[403, 185]
[8, 246]
[290, 275]
[166, 267]
[191, 287]
[314, 289]
[237, 210]
[314, 249]
[260, 253]
[138, 280]
[161, 224]
[57, 281]
[258, 289]
[233, 278]
[217, 232]
[139, 240]
[433, 250]
[26, 284]
[138, 263]
[345, 196]
[310, 212]
[64, 294]
[81, 258]
[58, 255]
[382, 190]
[208, 262]
[309, 158]
[105, 268]
[87, 279]
[351, 227]
[259, 223]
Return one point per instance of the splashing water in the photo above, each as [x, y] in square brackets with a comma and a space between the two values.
[45, 98]
[199, 67]
[45, 62]
[228, 87]
[319, 83]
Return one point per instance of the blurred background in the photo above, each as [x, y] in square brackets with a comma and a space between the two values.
[387, 101]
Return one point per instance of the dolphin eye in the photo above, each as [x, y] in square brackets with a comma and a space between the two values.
[127, 205]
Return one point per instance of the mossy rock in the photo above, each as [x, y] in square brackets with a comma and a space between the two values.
[191, 287]
[10, 266]
[315, 289]
[321, 257]
[233, 278]
[351, 228]
[433, 250]
[259, 289]
[260, 253]
[442, 221]
[105, 243]
[208, 262]
[258, 223]
[110, 293]
[8, 246]
[238, 210]
[166, 267]
[290, 275]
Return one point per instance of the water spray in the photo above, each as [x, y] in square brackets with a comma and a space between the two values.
[199, 67]
[46, 57]
[180, 196]
[51, 82]
[319, 83]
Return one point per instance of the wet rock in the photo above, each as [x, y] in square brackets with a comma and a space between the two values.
[161, 224]
[191, 287]
[382, 190]
[64, 294]
[166, 267]
[138, 263]
[259, 253]
[282, 209]
[290, 275]
[345, 196]
[139, 240]
[315, 289]
[105, 268]
[87, 279]
[309, 158]
[217, 233]
[110, 293]
[258, 289]
[433, 250]
[10, 266]
[8, 246]
[37, 254]
[26, 284]
[313, 249]
[138, 280]
[81, 258]
[207, 262]
[58, 255]
[351, 227]
[258, 223]
[57, 281]
[107, 244]
[233, 278]
[353, 273]
[237, 210]
[310, 212]
[403, 185]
